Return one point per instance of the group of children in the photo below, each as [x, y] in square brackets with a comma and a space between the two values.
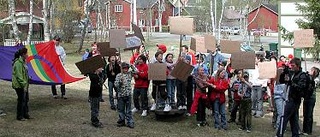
[205, 88]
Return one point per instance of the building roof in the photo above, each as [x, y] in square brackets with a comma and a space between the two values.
[142, 4]
[232, 14]
[272, 8]
[22, 18]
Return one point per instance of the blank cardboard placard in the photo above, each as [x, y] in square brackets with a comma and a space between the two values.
[117, 38]
[181, 25]
[267, 70]
[182, 71]
[105, 50]
[137, 32]
[210, 42]
[157, 71]
[303, 38]
[243, 60]
[91, 64]
[197, 44]
[228, 46]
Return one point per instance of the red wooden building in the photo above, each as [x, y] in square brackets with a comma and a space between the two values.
[264, 17]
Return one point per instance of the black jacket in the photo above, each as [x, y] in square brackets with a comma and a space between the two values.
[298, 85]
[116, 69]
[96, 83]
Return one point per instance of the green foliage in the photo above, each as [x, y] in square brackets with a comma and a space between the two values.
[67, 27]
[311, 12]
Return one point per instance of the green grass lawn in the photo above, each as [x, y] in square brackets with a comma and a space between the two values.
[71, 117]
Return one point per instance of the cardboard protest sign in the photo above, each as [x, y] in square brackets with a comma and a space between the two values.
[105, 50]
[132, 42]
[90, 65]
[137, 32]
[157, 71]
[243, 60]
[117, 38]
[197, 44]
[182, 71]
[210, 42]
[181, 25]
[228, 46]
[303, 38]
[267, 70]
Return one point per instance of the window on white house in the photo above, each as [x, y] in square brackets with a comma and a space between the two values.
[118, 8]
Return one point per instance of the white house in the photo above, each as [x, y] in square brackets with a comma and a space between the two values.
[288, 16]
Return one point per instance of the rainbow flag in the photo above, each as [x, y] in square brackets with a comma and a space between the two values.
[44, 65]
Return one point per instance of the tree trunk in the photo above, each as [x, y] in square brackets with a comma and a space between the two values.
[30, 23]
[12, 9]
[212, 18]
[52, 8]
[45, 20]
[220, 20]
[160, 11]
[87, 4]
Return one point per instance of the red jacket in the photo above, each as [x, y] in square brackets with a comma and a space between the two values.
[218, 92]
[142, 80]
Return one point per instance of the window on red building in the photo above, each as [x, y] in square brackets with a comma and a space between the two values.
[118, 8]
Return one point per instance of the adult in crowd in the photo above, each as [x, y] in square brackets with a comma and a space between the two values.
[62, 55]
[297, 83]
[20, 83]
[213, 59]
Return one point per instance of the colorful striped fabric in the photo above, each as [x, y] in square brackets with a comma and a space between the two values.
[44, 65]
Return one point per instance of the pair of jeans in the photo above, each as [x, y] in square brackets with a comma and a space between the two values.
[181, 92]
[171, 88]
[62, 88]
[124, 106]
[308, 106]
[111, 87]
[245, 113]
[230, 100]
[159, 94]
[143, 94]
[219, 114]
[22, 105]
[279, 109]
[257, 101]
[290, 115]
[95, 107]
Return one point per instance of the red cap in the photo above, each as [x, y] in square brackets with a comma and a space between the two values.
[162, 47]
[290, 56]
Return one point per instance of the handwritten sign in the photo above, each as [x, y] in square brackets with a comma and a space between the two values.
[197, 44]
[117, 38]
[181, 25]
[267, 70]
[303, 38]
[91, 64]
[157, 71]
[182, 71]
[210, 42]
[243, 60]
[228, 46]
[105, 50]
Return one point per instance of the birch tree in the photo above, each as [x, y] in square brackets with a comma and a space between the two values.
[87, 7]
[12, 12]
[45, 20]
[30, 22]
[161, 8]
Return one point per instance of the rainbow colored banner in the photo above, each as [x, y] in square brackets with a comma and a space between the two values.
[44, 65]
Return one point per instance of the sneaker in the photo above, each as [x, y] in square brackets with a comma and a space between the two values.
[64, 97]
[184, 107]
[241, 129]
[180, 107]
[167, 108]
[188, 114]
[97, 124]
[153, 107]
[248, 131]
[121, 124]
[134, 110]
[144, 113]
[55, 96]
[113, 108]
[2, 113]
[130, 126]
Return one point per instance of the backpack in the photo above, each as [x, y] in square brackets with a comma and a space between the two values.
[309, 86]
